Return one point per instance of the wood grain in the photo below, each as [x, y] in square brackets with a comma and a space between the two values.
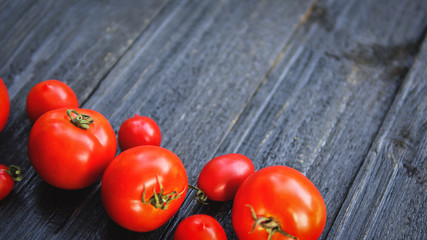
[196, 86]
[77, 43]
[321, 108]
[388, 197]
[321, 86]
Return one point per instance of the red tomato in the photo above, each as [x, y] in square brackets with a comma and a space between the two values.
[49, 95]
[221, 177]
[199, 227]
[143, 187]
[138, 131]
[282, 200]
[8, 176]
[4, 105]
[71, 154]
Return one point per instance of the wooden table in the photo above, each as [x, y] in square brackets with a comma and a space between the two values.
[336, 89]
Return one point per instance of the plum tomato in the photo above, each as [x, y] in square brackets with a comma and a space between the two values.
[199, 227]
[143, 187]
[8, 176]
[221, 177]
[138, 131]
[4, 105]
[278, 202]
[49, 95]
[70, 149]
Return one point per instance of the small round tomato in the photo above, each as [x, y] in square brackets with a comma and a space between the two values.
[143, 187]
[8, 176]
[49, 95]
[221, 177]
[70, 149]
[278, 202]
[199, 227]
[138, 131]
[4, 105]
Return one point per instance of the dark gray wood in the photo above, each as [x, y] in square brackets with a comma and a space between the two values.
[77, 42]
[315, 85]
[388, 198]
[320, 111]
[201, 79]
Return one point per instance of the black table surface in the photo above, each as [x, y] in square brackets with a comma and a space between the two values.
[336, 89]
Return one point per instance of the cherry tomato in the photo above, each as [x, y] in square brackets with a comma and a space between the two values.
[70, 149]
[221, 177]
[49, 95]
[138, 131]
[143, 187]
[281, 200]
[4, 105]
[8, 176]
[199, 227]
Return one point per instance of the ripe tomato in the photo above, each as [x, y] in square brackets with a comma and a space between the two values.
[49, 95]
[4, 105]
[278, 202]
[7, 177]
[71, 154]
[199, 227]
[143, 187]
[138, 131]
[221, 177]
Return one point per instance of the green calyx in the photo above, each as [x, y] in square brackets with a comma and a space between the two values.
[200, 196]
[81, 120]
[270, 224]
[14, 171]
[160, 200]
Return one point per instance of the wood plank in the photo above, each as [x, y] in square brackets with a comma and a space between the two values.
[13, 15]
[322, 106]
[219, 77]
[193, 73]
[73, 41]
[388, 198]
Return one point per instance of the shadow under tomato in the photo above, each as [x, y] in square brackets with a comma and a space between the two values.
[57, 204]
[114, 231]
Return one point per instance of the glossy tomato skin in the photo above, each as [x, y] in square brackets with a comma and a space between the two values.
[4, 105]
[285, 194]
[199, 227]
[138, 131]
[49, 95]
[137, 171]
[221, 177]
[6, 182]
[69, 157]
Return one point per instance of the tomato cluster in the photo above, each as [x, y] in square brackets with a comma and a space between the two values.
[146, 184]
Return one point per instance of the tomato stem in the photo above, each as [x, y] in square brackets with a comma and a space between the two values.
[14, 171]
[81, 120]
[200, 196]
[270, 224]
[159, 200]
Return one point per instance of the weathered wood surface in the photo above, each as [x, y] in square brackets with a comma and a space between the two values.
[335, 89]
